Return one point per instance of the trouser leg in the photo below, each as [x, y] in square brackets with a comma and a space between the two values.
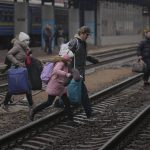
[29, 98]
[44, 104]
[146, 75]
[147, 69]
[50, 47]
[85, 100]
[7, 98]
[46, 46]
[67, 108]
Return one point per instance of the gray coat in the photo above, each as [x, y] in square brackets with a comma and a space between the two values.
[17, 55]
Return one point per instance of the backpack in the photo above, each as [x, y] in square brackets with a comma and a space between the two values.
[35, 68]
[47, 72]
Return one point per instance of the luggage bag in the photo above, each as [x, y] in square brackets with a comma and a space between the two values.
[74, 91]
[139, 66]
[18, 82]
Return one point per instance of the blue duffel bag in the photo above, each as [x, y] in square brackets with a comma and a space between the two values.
[74, 91]
[18, 82]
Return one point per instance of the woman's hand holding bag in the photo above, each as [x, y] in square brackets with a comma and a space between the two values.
[139, 66]
[74, 87]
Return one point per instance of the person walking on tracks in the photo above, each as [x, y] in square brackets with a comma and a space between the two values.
[143, 52]
[47, 35]
[17, 56]
[57, 86]
[79, 47]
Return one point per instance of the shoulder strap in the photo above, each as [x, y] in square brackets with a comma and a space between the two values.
[77, 44]
[74, 60]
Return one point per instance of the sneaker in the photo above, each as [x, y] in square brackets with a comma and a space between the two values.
[146, 84]
[5, 107]
[70, 117]
[91, 119]
[92, 114]
[72, 123]
[59, 103]
[10, 101]
[24, 99]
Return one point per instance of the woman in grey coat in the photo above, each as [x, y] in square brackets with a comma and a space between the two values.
[17, 55]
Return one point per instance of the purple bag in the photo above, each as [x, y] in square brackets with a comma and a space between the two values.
[47, 72]
[18, 81]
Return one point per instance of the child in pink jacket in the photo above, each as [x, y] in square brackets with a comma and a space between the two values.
[57, 86]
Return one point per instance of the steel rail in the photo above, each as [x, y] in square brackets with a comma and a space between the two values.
[117, 138]
[90, 66]
[56, 117]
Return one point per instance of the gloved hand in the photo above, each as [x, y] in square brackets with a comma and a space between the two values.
[76, 74]
[16, 65]
[19, 65]
[140, 57]
[68, 75]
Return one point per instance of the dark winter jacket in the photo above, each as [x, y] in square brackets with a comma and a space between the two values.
[79, 48]
[144, 49]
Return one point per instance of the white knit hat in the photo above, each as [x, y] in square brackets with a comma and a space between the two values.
[23, 36]
[70, 54]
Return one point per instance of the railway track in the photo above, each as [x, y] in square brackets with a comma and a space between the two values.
[105, 59]
[140, 138]
[134, 135]
[113, 56]
[54, 128]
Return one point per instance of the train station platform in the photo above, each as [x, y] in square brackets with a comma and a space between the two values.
[39, 52]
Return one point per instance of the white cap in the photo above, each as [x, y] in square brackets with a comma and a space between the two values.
[23, 36]
[70, 54]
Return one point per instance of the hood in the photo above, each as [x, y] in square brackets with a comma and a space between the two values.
[77, 36]
[23, 36]
[22, 44]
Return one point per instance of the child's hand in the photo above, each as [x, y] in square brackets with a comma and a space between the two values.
[68, 75]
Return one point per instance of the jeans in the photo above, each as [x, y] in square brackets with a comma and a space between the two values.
[28, 95]
[49, 102]
[85, 101]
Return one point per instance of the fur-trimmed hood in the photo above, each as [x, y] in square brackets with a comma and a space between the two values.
[16, 42]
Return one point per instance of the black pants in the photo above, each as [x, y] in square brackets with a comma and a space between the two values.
[85, 101]
[8, 97]
[147, 70]
[48, 47]
[146, 75]
[49, 102]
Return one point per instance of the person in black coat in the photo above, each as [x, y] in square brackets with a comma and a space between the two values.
[47, 36]
[79, 47]
[143, 52]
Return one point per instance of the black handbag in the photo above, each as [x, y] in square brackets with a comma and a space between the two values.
[34, 72]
